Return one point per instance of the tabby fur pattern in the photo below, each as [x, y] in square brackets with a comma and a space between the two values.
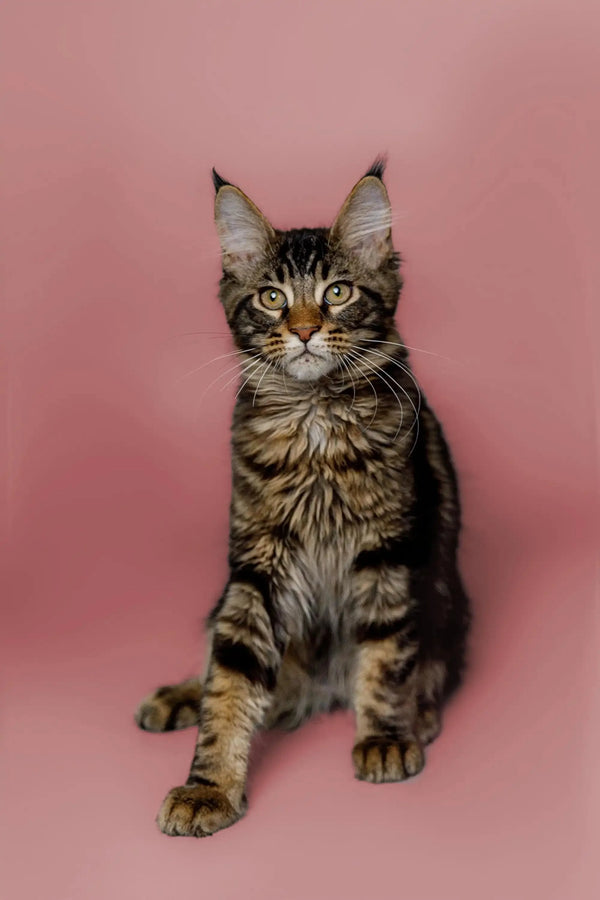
[344, 590]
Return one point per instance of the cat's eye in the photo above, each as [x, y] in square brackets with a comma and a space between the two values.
[273, 298]
[337, 293]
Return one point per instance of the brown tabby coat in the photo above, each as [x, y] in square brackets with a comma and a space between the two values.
[344, 589]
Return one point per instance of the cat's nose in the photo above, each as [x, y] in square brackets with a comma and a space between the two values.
[304, 332]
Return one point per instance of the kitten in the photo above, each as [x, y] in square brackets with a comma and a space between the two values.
[344, 589]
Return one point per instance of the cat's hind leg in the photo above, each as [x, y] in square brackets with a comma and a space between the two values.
[441, 666]
[298, 696]
[171, 707]
[293, 701]
[431, 679]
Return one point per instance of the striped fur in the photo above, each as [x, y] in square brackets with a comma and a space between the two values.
[344, 589]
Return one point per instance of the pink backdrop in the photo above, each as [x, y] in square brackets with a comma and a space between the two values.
[117, 451]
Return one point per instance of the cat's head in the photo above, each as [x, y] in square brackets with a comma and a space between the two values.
[303, 299]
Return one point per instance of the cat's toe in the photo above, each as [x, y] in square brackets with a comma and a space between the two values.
[196, 811]
[378, 759]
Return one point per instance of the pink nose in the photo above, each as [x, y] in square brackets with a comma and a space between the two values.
[304, 332]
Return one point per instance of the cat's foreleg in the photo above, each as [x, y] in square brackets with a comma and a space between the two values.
[241, 677]
[385, 686]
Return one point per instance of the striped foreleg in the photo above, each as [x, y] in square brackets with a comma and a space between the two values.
[241, 677]
[385, 688]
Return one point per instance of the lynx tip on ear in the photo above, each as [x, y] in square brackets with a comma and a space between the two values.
[378, 168]
[218, 181]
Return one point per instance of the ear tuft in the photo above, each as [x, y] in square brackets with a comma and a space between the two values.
[218, 181]
[378, 167]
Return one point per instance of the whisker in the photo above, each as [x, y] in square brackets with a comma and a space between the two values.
[254, 366]
[237, 371]
[280, 367]
[408, 397]
[371, 385]
[346, 367]
[191, 333]
[416, 410]
[404, 368]
[407, 347]
[374, 368]
[225, 373]
[208, 363]
[268, 366]
[406, 371]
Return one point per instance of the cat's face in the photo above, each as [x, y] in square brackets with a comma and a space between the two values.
[303, 300]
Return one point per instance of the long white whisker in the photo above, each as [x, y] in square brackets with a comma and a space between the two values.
[224, 374]
[218, 378]
[236, 369]
[342, 361]
[268, 366]
[181, 334]
[371, 385]
[210, 361]
[252, 371]
[386, 378]
[406, 372]
[407, 347]
[279, 367]
[404, 368]
[386, 382]
[408, 397]
[374, 368]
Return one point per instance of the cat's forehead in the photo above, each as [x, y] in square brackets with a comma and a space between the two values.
[302, 253]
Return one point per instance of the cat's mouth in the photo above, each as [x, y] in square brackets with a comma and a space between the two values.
[308, 364]
[307, 351]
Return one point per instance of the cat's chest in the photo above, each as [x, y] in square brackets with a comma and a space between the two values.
[316, 429]
[320, 468]
[320, 427]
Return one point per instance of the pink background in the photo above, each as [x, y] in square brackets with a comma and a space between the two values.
[117, 452]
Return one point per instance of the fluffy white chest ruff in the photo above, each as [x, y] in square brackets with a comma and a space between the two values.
[318, 429]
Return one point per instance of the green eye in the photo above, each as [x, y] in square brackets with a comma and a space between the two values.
[273, 298]
[337, 293]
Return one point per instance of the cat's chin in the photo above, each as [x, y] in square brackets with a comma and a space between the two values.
[309, 367]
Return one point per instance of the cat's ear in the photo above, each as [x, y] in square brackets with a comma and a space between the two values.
[244, 233]
[363, 225]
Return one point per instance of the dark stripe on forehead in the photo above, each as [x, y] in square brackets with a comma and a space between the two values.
[303, 248]
[290, 265]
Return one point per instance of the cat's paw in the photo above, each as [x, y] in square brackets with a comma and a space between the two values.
[379, 759]
[171, 707]
[196, 811]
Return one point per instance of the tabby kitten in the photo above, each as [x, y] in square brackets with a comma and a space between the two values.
[344, 589]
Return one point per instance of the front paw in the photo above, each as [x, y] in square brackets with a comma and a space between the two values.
[379, 759]
[196, 811]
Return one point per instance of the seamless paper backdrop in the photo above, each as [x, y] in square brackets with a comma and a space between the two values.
[118, 396]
